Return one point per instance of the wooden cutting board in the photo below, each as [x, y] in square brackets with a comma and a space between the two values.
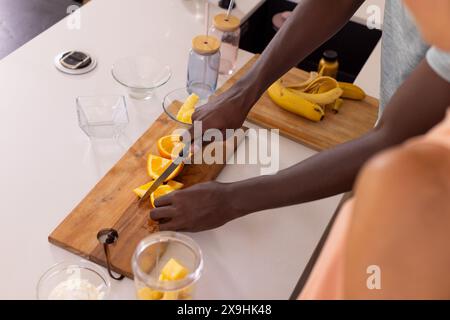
[112, 204]
[355, 118]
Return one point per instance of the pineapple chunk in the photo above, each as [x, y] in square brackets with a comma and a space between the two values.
[170, 295]
[173, 270]
[149, 294]
[188, 108]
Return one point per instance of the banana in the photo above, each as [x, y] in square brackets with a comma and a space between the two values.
[292, 102]
[320, 98]
[352, 91]
[309, 98]
[337, 105]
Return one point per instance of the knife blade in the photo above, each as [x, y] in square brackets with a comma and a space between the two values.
[183, 155]
[237, 138]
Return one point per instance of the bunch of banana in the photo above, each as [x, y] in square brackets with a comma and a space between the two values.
[310, 98]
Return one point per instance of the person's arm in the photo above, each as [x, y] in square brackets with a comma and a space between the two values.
[307, 28]
[418, 105]
[399, 224]
[310, 25]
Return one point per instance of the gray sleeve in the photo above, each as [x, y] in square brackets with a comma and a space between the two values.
[439, 61]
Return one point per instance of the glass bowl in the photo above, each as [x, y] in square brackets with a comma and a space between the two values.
[141, 75]
[74, 281]
[173, 101]
[102, 117]
[154, 253]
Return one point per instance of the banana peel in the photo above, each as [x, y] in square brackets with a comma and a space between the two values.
[323, 98]
[310, 98]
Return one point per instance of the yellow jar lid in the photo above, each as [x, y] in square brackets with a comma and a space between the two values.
[224, 23]
[205, 44]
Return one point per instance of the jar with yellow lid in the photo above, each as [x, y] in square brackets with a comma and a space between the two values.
[227, 29]
[203, 66]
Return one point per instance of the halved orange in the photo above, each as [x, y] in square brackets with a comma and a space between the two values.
[156, 166]
[170, 146]
[159, 192]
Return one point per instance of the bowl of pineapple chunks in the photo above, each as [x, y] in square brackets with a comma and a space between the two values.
[166, 266]
[180, 104]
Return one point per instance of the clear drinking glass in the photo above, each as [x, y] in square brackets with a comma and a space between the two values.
[203, 72]
[102, 116]
[152, 255]
[227, 30]
[203, 66]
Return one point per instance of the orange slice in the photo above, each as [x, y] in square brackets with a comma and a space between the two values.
[175, 184]
[161, 191]
[170, 146]
[140, 191]
[156, 166]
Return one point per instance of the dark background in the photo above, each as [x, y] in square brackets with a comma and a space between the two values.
[354, 43]
[22, 20]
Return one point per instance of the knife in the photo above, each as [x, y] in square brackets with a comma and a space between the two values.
[183, 156]
[186, 154]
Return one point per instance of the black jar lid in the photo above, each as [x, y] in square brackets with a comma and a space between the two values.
[330, 55]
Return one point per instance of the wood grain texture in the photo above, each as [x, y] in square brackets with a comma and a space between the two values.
[355, 118]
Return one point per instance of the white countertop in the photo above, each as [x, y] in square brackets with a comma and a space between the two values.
[49, 165]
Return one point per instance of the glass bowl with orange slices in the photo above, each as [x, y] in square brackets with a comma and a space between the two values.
[180, 104]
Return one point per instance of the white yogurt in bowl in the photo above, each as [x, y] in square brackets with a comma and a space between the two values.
[73, 281]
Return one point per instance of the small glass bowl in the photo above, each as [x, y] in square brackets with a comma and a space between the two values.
[141, 75]
[102, 116]
[74, 281]
[150, 257]
[173, 101]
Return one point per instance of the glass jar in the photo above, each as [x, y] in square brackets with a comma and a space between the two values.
[329, 64]
[166, 266]
[203, 66]
[227, 30]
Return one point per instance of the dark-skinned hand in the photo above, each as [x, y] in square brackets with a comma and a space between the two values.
[201, 207]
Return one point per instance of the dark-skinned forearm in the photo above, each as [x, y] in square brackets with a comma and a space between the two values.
[418, 105]
[307, 28]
